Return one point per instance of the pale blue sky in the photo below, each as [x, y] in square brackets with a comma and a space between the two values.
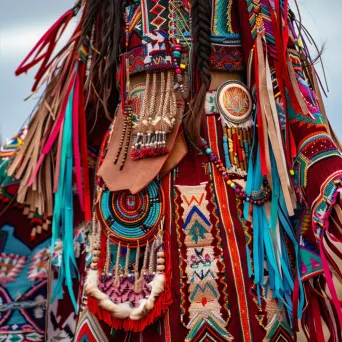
[23, 22]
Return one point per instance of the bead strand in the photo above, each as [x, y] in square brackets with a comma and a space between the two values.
[238, 190]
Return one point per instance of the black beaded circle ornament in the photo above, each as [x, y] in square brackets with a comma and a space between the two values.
[132, 219]
[234, 102]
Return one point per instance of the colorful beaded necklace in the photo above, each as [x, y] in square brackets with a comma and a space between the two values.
[258, 197]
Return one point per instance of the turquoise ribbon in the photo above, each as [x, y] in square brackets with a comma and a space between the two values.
[62, 224]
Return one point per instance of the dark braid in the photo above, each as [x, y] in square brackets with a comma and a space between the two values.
[112, 15]
[107, 17]
[201, 32]
[90, 13]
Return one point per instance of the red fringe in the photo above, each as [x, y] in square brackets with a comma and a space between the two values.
[283, 62]
[134, 155]
[160, 307]
[49, 40]
[316, 310]
[148, 152]
[84, 148]
[103, 254]
[295, 300]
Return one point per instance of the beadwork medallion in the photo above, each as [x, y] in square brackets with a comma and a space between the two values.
[234, 102]
[132, 219]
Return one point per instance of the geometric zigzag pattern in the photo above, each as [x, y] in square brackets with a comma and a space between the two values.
[10, 266]
[205, 321]
[89, 329]
[277, 328]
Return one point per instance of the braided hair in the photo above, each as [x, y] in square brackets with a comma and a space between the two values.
[201, 31]
[106, 17]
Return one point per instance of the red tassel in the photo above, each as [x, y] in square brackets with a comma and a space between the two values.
[163, 151]
[49, 40]
[162, 303]
[289, 143]
[54, 133]
[134, 155]
[293, 145]
[316, 309]
[285, 33]
[102, 259]
[329, 280]
[76, 139]
[70, 61]
[317, 319]
[283, 63]
[84, 148]
[143, 153]
[295, 301]
[316, 290]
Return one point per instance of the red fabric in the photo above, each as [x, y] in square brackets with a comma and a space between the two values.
[317, 319]
[14, 217]
[234, 327]
[248, 43]
[318, 173]
[76, 139]
[84, 150]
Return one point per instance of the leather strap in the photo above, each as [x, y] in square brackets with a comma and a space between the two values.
[266, 108]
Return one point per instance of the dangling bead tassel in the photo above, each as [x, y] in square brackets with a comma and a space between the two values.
[144, 268]
[139, 282]
[161, 254]
[117, 267]
[137, 288]
[138, 127]
[107, 264]
[167, 118]
[127, 127]
[123, 135]
[151, 266]
[157, 120]
[155, 123]
[129, 130]
[95, 244]
[149, 131]
[90, 54]
[127, 261]
[93, 234]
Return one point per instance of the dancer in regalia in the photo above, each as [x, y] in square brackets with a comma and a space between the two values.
[209, 210]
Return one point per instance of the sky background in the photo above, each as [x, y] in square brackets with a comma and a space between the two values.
[22, 23]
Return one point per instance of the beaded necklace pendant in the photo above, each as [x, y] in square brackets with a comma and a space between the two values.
[128, 280]
[234, 104]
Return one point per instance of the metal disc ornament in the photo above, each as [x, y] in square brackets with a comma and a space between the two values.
[234, 102]
[132, 219]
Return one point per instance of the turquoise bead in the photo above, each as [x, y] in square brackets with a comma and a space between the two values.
[208, 151]
[176, 54]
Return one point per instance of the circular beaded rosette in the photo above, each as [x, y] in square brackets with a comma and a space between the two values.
[132, 219]
[234, 102]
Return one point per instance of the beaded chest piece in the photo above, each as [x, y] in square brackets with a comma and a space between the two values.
[131, 220]
[127, 282]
